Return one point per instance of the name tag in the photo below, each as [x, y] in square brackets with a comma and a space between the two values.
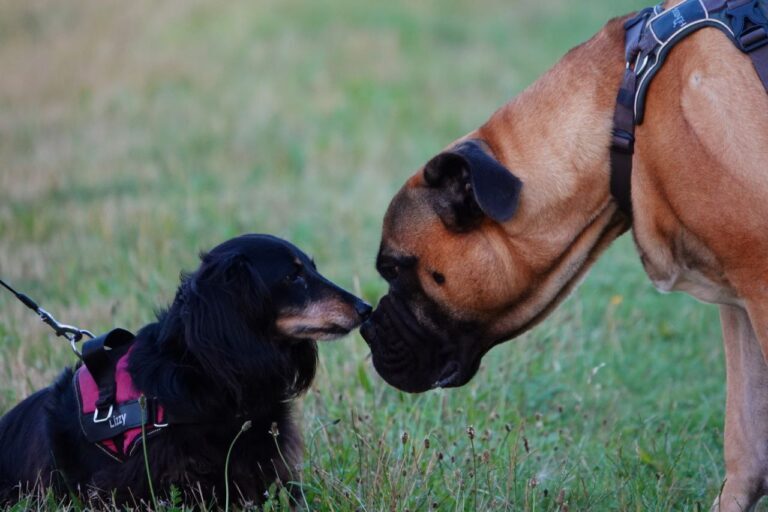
[680, 16]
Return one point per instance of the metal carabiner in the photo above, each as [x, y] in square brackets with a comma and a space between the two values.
[70, 332]
[75, 336]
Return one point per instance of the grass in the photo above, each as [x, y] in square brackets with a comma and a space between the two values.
[134, 134]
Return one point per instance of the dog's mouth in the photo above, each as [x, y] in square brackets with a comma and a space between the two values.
[316, 329]
[414, 357]
[323, 333]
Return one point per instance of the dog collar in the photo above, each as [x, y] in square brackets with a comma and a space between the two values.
[649, 37]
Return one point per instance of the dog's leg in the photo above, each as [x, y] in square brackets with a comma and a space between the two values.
[746, 418]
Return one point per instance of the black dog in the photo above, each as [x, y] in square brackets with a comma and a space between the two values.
[236, 345]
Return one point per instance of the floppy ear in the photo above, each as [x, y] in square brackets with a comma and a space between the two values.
[471, 184]
[226, 307]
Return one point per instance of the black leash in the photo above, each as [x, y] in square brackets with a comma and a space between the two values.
[71, 333]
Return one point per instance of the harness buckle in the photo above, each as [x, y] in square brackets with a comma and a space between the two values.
[748, 23]
[96, 418]
[753, 38]
[623, 141]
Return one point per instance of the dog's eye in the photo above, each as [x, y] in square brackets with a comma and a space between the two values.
[390, 268]
[438, 277]
[389, 271]
[297, 277]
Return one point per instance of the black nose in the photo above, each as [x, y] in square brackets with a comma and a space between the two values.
[363, 309]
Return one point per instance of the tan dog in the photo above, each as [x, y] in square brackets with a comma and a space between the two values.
[468, 268]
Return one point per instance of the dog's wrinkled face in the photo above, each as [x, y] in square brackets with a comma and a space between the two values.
[303, 304]
[448, 269]
[467, 270]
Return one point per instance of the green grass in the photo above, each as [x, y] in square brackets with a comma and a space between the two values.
[134, 134]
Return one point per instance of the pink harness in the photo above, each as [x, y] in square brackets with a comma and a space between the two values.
[115, 427]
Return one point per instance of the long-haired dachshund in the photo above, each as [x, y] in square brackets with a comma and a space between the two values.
[236, 345]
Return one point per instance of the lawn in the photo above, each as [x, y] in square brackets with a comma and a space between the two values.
[135, 134]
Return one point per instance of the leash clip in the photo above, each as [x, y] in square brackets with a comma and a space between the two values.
[70, 332]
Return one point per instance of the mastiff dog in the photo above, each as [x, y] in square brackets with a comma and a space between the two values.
[490, 235]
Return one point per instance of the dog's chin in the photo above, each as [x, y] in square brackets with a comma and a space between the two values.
[332, 334]
[414, 369]
[318, 333]
[415, 357]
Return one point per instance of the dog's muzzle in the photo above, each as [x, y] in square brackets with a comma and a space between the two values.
[411, 356]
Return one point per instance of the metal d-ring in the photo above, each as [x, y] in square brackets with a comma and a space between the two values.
[640, 66]
[74, 335]
[96, 418]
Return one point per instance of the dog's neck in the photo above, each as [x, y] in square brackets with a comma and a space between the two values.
[555, 136]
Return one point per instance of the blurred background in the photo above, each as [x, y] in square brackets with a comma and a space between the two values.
[135, 134]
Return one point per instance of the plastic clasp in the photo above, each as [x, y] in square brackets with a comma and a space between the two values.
[753, 38]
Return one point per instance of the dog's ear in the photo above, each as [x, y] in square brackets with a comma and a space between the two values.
[226, 307]
[471, 184]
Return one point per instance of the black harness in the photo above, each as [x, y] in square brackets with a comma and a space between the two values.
[650, 36]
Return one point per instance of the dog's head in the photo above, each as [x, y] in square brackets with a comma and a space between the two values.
[468, 269]
[254, 309]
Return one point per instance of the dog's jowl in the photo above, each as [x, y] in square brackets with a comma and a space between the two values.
[234, 348]
[486, 239]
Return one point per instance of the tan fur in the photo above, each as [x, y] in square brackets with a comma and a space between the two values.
[317, 317]
[700, 197]
[701, 185]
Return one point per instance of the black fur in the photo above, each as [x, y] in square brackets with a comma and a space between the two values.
[217, 354]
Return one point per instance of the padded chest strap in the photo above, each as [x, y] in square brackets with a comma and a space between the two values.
[125, 417]
[110, 411]
[649, 37]
[743, 21]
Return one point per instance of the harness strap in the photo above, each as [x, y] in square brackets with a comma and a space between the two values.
[750, 27]
[110, 406]
[100, 356]
[128, 416]
[760, 61]
[649, 37]
[623, 138]
[124, 417]
[623, 143]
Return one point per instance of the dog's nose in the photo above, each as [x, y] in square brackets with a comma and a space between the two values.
[363, 309]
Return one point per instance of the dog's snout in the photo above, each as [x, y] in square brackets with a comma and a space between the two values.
[363, 309]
